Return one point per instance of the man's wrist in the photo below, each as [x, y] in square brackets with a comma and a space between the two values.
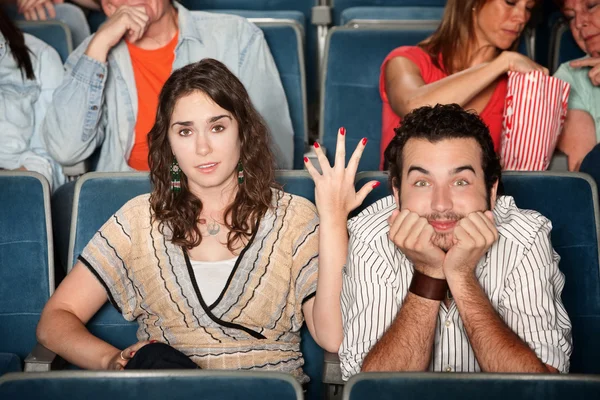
[97, 50]
[428, 287]
[458, 281]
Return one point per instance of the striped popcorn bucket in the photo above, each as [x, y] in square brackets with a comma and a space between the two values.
[534, 113]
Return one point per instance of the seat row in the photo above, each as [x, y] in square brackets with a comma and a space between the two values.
[182, 385]
[27, 268]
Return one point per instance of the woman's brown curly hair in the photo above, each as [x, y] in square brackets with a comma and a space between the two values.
[180, 212]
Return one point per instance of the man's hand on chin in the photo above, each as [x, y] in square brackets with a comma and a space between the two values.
[473, 236]
[413, 235]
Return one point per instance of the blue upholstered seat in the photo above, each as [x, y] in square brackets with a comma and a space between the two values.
[570, 201]
[383, 13]
[285, 39]
[419, 386]
[149, 385]
[99, 195]
[9, 362]
[350, 88]
[55, 33]
[26, 260]
[339, 7]
[563, 45]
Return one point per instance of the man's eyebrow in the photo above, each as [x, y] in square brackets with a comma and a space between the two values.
[417, 169]
[464, 168]
[218, 117]
[184, 123]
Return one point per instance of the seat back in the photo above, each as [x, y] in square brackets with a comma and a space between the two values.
[286, 42]
[55, 33]
[357, 15]
[99, 195]
[364, 17]
[418, 386]
[340, 6]
[350, 85]
[564, 47]
[570, 201]
[26, 258]
[150, 385]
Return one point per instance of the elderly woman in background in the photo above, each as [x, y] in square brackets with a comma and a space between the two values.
[581, 131]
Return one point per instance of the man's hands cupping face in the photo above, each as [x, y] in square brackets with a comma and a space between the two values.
[413, 235]
[473, 235]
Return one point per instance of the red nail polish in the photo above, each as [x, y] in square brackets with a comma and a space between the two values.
[131, 354]
[376, 185]
[153, 341]
[364, 141]
[305, 159]
[316, 145]
[342, 131]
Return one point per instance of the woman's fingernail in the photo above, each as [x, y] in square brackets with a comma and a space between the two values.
[131, 354]
[316, 145]
[364, 141]
[153, 341]
[376, 184]
[342, 131]
[305, 159]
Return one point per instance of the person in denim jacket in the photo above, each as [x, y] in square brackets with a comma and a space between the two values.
[96, 106]
[30, 70]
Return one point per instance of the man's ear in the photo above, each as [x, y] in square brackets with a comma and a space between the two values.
[396, 194]
[108, 7]
[494, 194]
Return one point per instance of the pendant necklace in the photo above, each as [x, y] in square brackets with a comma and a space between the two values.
[212, 228]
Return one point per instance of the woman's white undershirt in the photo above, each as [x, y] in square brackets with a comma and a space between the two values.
[211, 277]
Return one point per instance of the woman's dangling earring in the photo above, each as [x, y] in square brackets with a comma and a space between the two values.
[175, 176]
[240, 169]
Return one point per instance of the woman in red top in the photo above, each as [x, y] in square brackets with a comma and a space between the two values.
[465, 61]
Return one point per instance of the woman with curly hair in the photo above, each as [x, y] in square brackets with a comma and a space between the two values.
[217, 265]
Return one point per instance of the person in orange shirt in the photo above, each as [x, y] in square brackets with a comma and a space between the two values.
[151, 69]
[108, 99]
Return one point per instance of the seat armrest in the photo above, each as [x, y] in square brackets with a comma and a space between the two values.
[41, 359]
[75, 171]
[332, 373]
[559, 162]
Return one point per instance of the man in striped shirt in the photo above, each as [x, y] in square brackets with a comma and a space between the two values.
[445, 275]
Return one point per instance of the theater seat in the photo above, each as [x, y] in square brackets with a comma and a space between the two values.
[419, 386]
[99, 195]
[570, 201]
[149, 385]
[9, 362]
[55, 33]
[26, 262]
[359, 15]
[350, 85]
[563, 47]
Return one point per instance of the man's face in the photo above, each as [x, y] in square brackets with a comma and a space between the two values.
[584, 20]
[155, 9]
[443, 182]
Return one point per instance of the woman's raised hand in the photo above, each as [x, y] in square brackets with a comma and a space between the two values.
[335, 194]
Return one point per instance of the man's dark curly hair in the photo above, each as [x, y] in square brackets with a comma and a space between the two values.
[444, 121]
